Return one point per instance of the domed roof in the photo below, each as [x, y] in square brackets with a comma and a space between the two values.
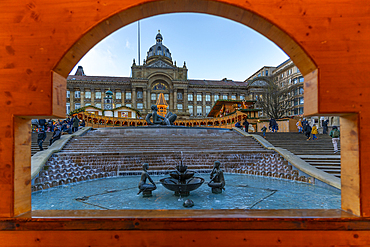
[159, 49]
[109, 92]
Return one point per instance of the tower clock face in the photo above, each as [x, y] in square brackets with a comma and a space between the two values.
[108, 107]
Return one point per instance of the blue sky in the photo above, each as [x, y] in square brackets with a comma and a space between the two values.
[212, 47]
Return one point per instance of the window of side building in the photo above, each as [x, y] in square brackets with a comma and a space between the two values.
[68, 108]
[208, 109]
[190, 107]
[153, 96]
[216, 97]
[128, 95]
[118, 95]
[118, 105]
[179, 107]
[224, 96]
[68, 94]
[98, 105]
[140, 106]
[190, 97]
[199, 97]
[199, 110]
[98, 95]
[77, 94]
[241, 97]
[128, 105]
[77, 105]
[208, 97]
[233, 97]
[88, 95]
[166, 96]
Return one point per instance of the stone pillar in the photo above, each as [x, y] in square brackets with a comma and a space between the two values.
[148, 99]
[72, 99]
[92, 96]
[204, 104]
[133, 97]
[194, 104]
[175, 99]
[82, 95]
[144, 100]
[171, 100]
[212, 99]
[185, 100]
[123, 97]
[102, 98]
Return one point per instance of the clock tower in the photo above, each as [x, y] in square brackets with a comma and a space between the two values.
[108, 100]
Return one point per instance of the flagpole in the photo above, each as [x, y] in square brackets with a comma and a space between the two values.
[138, 40]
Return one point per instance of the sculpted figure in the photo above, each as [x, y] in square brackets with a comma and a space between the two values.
[158, 119]
[144, 187]
[217, 182]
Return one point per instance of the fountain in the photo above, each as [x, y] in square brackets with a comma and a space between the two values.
[182, 181]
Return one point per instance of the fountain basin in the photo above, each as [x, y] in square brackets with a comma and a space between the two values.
[182, 189]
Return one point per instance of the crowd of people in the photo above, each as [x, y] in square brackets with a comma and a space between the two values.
[58, 127]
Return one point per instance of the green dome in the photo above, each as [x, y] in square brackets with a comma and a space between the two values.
[109, 92]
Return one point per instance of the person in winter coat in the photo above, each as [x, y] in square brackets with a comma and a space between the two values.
[56, 136]
[75, 124]
[299, 126]
[335, 134]
[246, 125]
[41, 136]
[308, 132]
[264, 131]
[314, 132]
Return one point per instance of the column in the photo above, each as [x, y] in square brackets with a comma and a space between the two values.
[195, 104]
[144, 100]
[171, 100]
[133, 97]
[92, 96]
[185, 100]
[148, 99]
[175, 99]
[123, 97]
[82, 95]
[72, 99]
[102, 98]
[204, 104]
[212, 99]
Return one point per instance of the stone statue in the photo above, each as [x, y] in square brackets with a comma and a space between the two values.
[217, 182]
[158, 119]
[143, 186]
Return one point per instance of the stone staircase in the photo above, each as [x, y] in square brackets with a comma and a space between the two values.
[318, 153]
[109, 152]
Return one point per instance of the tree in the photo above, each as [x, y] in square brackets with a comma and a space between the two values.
[273, 101]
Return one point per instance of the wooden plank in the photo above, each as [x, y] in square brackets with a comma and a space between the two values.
[22, 164]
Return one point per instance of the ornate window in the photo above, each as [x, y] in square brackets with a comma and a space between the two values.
[233, 97]
[199, 110]
[68, 94]
[98, 95]
[241, 97]
[216, 97]
[139, 106]
[224, 96]
[118, 105]
[98, 105]
[77, 94]
[140, 94]
[208, 109]
[88, 95]
[179, 107]
[153, 96]
[179, 96]
[166, 96]
[199, 97]
[68, 108]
